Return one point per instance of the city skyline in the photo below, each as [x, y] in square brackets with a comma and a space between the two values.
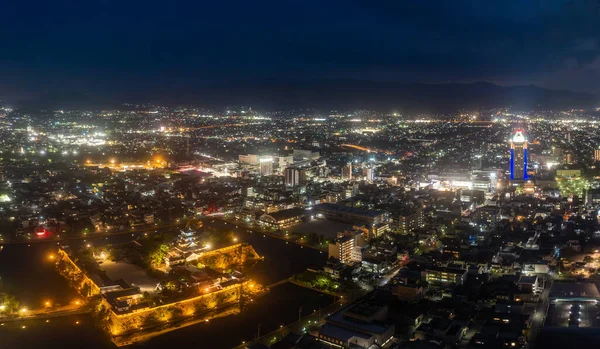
[384, 174]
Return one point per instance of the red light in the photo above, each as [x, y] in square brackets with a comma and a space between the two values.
[42, 232]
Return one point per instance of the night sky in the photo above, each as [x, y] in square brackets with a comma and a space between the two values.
[116, 47]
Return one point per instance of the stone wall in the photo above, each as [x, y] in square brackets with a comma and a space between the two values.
[227, 257]
[75, 276]
[207, 305]
[203, 305]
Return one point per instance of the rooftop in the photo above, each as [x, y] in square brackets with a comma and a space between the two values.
[365, 309]
[571, 289]
[340, 320]
[287, 214]
[340, 333]
[447, 270]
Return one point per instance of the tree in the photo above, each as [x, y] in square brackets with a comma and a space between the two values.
[157, 256]
[85, 290]
[572, 186]
[175, 312]
[10, 303]
[171, 286]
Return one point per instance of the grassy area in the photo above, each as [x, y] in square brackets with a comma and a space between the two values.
[318, 281]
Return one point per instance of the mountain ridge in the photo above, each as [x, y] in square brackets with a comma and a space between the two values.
[342, 94]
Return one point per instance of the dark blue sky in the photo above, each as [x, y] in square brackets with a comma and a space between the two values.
[115, 47]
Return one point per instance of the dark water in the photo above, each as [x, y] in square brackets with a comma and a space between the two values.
[279, 307]
[25, 272]
[28, 274]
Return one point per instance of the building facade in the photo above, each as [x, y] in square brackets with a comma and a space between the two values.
[266, 166]
[445, 276]
[518, 157]
[294, 176]
[347, 172]
[408, 221]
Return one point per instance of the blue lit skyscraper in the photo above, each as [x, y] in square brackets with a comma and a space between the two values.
[518, 157]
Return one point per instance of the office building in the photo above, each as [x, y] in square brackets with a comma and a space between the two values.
[597, 154]
[283, 161]
[249, 159]
[347, 172]
[592, 197]
[294, 176]
[347, 246]
[266, 166]
[368, 174]
[342, 248]
[349, 214]
[407, 221]
[445, 276]
[518, 157]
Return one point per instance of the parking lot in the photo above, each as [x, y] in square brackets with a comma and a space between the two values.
[574, 314]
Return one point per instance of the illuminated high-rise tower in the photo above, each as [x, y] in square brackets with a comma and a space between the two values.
[518, 157]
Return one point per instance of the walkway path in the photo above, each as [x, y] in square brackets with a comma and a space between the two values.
[40, 314]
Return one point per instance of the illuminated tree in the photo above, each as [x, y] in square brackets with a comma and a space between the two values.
[158, 256]
[572, 186]
[10, 303]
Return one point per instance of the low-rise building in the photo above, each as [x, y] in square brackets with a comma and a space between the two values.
[358, 326]
[349, 214]
[407, 292]
[445, 276]
[488, 214]
[284, 218]
[347, 248]
[407, 221]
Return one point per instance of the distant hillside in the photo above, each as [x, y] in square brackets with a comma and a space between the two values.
[337, 94]
[350, 94]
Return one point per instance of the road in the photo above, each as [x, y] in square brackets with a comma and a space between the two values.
[45, 313]
[387, 277]
[537, 323]
[91, 236]
[300, 326]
